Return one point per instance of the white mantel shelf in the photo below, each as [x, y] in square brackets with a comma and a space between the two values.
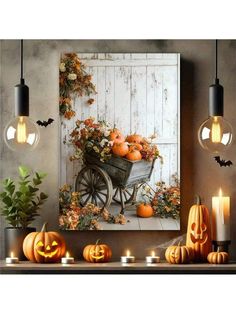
[139, 267]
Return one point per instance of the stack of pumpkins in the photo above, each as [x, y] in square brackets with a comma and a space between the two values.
[198, 243]
[128, 147]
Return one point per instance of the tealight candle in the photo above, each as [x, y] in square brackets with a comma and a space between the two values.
[12, 259]
[67, 259]
[128, 258]
[152, 259]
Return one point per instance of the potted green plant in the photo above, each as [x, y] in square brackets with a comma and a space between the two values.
[19, 203]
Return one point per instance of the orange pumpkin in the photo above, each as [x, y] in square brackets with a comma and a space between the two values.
[134, 146]
[218, 257]
[134, 138]
[44, 247]
[199, 231]
[179, 254]
[133, 155]
[116, 136]
[144, 210]
[120, 149]
[97, 253]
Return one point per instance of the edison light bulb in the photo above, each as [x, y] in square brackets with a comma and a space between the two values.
[215, 134]
[21, 134]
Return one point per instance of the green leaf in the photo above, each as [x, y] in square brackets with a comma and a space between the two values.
[32, 189]
[24, 189]
[3, 194]
[37, 181]
[18, 194]
[23, 171]
[7, 182]
[41, 175]
[7, 200]
[43, 196]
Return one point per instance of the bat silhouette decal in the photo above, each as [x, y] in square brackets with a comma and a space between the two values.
[45, 123]
[222, 162]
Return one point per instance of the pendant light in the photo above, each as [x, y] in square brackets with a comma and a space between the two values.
[215, 134]
[21, 133]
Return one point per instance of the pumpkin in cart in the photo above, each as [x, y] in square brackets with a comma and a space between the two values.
[144, 210]
[97, 253]
[116, 136]
[44, 246]
[135, 146]
[179, 254]
[199, 231]
[218, 257]
[120, 149]
[133, 155]
[134, 138]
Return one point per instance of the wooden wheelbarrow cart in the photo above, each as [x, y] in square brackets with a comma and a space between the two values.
[117, 179]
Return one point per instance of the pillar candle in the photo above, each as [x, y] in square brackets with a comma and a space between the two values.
[221, 217]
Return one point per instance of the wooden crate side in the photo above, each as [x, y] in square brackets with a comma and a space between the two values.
[140, 172]
[117, 168]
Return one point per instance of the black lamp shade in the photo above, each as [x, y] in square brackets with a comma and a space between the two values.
[21, 99]
[216, 99]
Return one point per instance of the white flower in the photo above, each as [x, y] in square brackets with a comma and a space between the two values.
[72, 76]
[103, 142]
[62, 67]
[106, 133]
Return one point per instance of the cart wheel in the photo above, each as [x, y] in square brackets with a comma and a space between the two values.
[129, 194]
[94, 186]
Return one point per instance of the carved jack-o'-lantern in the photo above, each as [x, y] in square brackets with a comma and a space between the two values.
[97, 253]
[179, 254]
[199, 231]
[44, 247]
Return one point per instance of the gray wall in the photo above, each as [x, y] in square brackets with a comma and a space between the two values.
[200, 173]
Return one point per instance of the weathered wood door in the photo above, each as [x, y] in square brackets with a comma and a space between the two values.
[136, 93]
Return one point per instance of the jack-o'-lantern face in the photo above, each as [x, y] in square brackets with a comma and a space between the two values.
[199, 233]
[97, 253]
[47, 250]
[44, 246]
[178, 254]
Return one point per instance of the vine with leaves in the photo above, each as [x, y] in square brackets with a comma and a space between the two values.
[73, 80]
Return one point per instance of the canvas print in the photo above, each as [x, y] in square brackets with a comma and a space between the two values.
[119, 141]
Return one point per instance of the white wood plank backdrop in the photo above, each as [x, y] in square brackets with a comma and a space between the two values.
[136, 93]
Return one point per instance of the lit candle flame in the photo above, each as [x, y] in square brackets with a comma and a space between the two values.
[220, 192]
[12, 254]
[128, 253]
[67, 254]
[153, 253]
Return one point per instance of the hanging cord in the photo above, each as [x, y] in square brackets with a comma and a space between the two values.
[216, 60]
[21, 62]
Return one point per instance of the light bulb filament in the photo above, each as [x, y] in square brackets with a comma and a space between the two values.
[21, 131]
[216, 132]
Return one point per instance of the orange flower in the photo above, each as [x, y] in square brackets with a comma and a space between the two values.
[90, 101]
[67, 100]
[69, 114]
[89, 122]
